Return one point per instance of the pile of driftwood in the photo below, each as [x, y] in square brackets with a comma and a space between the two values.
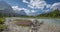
[36, 26]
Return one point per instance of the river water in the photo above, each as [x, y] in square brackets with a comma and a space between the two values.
[51, 21]
[49, 25]
[46, 21]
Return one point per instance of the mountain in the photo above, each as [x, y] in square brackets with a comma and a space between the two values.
[5, 9]
[55, 13]
[21, 13]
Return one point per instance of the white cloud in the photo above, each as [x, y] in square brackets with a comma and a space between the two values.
[30, 6]
[33, 11]
[38, 4]
[25, 1]
[16, 8]
[27, 11]
[48, 6]
[55, 6]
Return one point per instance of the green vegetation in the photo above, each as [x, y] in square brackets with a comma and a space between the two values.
[54, 14]
[1, 22]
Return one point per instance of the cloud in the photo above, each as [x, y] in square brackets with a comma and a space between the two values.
[16, 8]
[25, 1]
[56, 6]
[27, 11]
[48, 6]
[33, 11]
[36, 4]
[41, 4]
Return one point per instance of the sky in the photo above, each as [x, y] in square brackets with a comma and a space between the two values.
[34, 7]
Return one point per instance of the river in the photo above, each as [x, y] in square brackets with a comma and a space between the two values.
[49, 25]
